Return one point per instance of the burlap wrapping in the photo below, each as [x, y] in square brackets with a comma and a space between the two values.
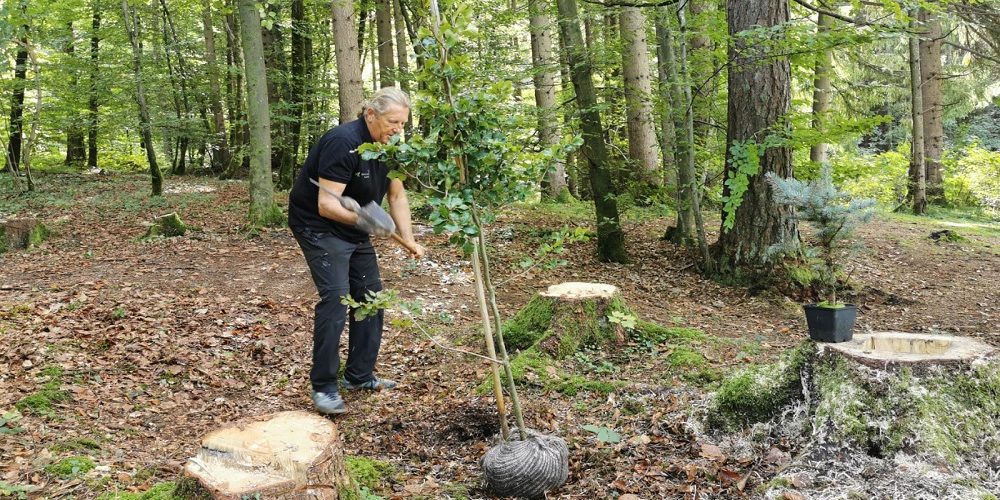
[526, 468]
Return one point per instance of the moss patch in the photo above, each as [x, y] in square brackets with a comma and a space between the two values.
[758, 393]
[70, 467]
[534, 367]
[42, 402]
[159, 491]
[658, 334]
[22, 233]
[168, 226]
[368, 473]
[78, 444]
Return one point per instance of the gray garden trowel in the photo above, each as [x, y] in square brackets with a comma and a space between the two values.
[372, 215]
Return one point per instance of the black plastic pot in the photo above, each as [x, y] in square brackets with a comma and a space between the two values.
[827, 324]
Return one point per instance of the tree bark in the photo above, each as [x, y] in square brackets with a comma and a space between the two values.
[384, 34]
[261, 188]
[638, 101]
[402, 60]
[299, 91]
[544, 76]
[930, 88]
[76, 150]
[276, 70]
[345, 41]
[16, 134]
[239, 137]
[917, 186]
[759, 97]
[132, 28]
[822, 91]
[610, 239]
[220, 147]
[179, 80]
[666, 66]
[95, 76]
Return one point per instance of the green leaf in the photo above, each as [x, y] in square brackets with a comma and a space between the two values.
[604, 434]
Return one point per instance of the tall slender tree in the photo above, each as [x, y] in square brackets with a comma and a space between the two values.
[666, 67]
[402, 59]
[132, 29]
[917, 186]
[345, 40]
[93, 106]
[822, 89]
[384, 35]
[262, 206]
[16, 132]
[759, 97]
[76, 150]
[544, 75]
[638, 101]
[220, 146]
[610, 238]
[933, 102]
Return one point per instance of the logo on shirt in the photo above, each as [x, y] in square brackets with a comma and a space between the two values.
[364, 174]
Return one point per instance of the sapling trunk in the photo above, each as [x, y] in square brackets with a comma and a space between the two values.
[477, 270]
[491, 290]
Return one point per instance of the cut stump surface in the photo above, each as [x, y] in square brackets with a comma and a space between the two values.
[291, 454]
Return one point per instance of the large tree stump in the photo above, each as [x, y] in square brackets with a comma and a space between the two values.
[16, 234]
[566, 317]
[284, 455]
[168, 226]
[886, 415]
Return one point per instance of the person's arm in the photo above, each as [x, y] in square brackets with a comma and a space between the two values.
[329, 207]
[399, 210]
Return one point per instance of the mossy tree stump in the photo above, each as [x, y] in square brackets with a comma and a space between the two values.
[168, 225]
[16, 234]
[883, 410]
[562, 319]
[286, 455]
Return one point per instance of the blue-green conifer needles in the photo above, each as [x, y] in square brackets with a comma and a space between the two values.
[833, 214]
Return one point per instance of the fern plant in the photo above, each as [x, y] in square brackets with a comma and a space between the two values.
[833, 214]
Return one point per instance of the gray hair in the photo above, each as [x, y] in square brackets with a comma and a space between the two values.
[384, 98]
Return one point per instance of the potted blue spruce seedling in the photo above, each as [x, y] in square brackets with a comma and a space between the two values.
[833, 215]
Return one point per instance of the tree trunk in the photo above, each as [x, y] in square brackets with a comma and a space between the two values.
[16, 134]
[759, 97]
[261, 189]
[666, 66]
[76, 150]
[131, 26]
[402, 61]
[276, 67]
[287, 455]
[239, 137]
[701, 65]
[675, 89]
[220, 147]
[610, 239]
[95, 75]
[917, 186]
[638, 104]
[822, 91]
[345, 41]
[383, 31]
[930, 87]
[298, 92]
[544, 76]
[178, 86]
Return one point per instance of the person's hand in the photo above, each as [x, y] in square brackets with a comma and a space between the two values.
[349, 203]
[416, 250]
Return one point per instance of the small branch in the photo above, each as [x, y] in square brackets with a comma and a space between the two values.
[972, 51]
[447, 348]
[626, 3]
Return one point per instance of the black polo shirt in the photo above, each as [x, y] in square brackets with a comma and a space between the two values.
[334, 157]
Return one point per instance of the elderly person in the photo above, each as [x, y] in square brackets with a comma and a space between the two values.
[337, 247]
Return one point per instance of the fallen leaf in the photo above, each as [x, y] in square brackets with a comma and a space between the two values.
[712, 452]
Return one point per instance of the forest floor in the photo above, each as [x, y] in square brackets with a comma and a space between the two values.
[126, 351]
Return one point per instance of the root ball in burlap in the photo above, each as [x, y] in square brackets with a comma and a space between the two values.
[526, 468]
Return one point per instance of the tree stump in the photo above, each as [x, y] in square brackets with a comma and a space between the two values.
[567, 316]
[284, 455]
[888, 414]
[168, 225]
[16, 234]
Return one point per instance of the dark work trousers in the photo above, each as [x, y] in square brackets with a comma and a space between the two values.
[339, 267]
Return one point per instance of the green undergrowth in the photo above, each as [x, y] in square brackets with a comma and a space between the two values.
[159, 491]
[76, 444]
[43, 401]
[369, 475]
[758, 392]
[71, 467]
